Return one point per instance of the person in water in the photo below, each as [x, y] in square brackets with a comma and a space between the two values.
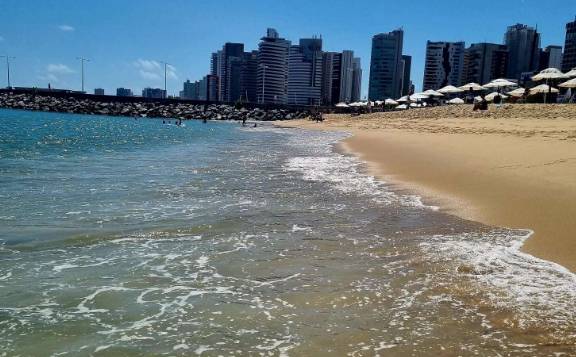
[243, 121]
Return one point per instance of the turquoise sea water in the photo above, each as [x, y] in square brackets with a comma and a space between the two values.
[123, 237]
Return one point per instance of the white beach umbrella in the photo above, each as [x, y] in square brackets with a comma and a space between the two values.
[450, 90]
[518, 92]
[455, 101]
[415, 105]
[404, 99]
[342, 105]
[419, 96]
[379, 102]
[390, 102]
[571, 73]
[402, 106]
[499, 83]
[543, 89]
[490, 97]
[433, 93]
[549, 73]
[568, 84]
[474, 86]
[477, 99]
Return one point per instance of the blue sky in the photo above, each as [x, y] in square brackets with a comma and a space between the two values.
[126, 39]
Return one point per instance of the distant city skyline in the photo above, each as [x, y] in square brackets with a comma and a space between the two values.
[126, 42]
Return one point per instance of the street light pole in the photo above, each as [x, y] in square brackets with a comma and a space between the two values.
[82, 60]
[165, 65]
[8, 58]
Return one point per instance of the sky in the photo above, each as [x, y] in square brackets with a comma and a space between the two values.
[125, 41]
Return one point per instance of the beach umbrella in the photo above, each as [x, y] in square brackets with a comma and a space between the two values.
[378, 102]
[404, 99]
[433, 93]
[455, 101]
[490, 97]
[549, 73]
[390, 102]
[415, 105]
[568, 84]
[477, 99]
[543, 89]
[419, 96]
[499, 83]
[474, 86]
[342, 105]
[402, 106]
[450, 90]
[571, 73]
[518, 92]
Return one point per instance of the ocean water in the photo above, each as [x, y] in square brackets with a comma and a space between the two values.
[123, 237]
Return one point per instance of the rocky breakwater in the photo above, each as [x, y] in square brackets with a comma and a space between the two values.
[145, 109]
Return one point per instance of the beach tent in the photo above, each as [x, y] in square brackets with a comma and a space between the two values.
[342, 105]
[518, 92]
[450, 90]
[433, 93]
[549, 73]
[568, 84]
[475, 87]
[490, 97]
[499, 83]
[543, 89]
[455, 101]
[390, 102]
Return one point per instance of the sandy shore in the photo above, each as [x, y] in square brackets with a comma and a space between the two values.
[513, 166]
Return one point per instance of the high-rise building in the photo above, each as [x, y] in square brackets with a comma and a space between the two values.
[356, 80]
[272, 77]
[229, 64]
[124, 92]
[212, 85]
[341, 77]
[191, 90]
[249, 77]
[444, 64]
[305, 72]
[551, 57]
[406, 73]
[523, 44]
[484, 62]
[99, 91]
[153, 93]
[569, 59]
[386, 72]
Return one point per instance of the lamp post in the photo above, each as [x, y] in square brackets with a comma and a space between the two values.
[8, 58]
[165, 72]
[82, 60]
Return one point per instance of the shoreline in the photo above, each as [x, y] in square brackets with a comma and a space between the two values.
[509, 172]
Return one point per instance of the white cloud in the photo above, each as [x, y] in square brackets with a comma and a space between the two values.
[66, 28]
[154, 70]
[59, 69]
[49, 77]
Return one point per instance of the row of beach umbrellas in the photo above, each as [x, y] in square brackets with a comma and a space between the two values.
[549, 74]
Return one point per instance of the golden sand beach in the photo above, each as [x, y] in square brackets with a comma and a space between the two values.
[513, 166]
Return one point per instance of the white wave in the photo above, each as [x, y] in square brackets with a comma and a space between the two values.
[540, 290]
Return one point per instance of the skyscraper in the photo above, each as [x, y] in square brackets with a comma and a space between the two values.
[406, 73]
[356, 80]
[272, 68]
[124, 92]
[153, 93]
[444, 64]
[305, 72]
[569, 59]
[484, 62]
[249, 77]
[230, 67]
[99, 91]
[386, 72]
[551, 57]
[523, 44]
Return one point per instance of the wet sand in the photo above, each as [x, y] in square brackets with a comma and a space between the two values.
[511, 167]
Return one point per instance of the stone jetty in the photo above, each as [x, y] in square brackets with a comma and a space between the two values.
[178, 110]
